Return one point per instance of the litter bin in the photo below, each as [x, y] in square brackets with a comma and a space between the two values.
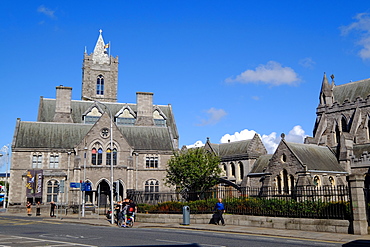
[186, 215]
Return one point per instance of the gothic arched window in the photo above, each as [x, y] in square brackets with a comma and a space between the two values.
[344, 124]
[232, 169]
[241, 170]
[109, 157]
[100, 85]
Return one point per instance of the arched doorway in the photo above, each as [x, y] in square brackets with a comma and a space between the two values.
[103, 193]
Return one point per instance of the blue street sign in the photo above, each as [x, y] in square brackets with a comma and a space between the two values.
[85, 186]
[75, 185]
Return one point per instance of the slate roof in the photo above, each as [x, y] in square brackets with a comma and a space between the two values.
[315, 157]
[261, 163]
[231, 148]
[147, 138]
[79, 107]
[49, 135]
[351, 91]
[68, 135]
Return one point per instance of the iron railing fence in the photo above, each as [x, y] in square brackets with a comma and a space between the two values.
[367, 203]
[330, 202]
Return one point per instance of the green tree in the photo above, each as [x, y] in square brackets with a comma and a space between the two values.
[193, 170]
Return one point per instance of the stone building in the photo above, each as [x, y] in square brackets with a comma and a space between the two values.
[294, 165]
[95, 140]
[238, 158]
[343, 123]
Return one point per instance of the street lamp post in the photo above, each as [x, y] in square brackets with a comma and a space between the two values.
[84, 191]
[111, 155]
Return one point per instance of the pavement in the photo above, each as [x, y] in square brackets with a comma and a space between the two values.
[101, 220]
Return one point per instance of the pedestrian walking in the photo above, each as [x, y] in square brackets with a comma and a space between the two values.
[38, 208]
[220, 209]
[29, 207]
[52, 209]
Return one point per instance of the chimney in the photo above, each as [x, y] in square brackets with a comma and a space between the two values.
[63, 105]
[144, 109]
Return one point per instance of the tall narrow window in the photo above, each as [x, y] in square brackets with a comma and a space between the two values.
[344, 124]
[232, 169]
[52, 191]
[109, 155]
[93, 156]
[114, 156]
[241, 170]
[54, 161]
[100, 156]
[37, 161]
[100, 85]
[316, 181]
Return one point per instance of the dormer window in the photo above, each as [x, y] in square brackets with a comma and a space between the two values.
[100, 85]
[159, 119]
[93, 116]
[126, 117]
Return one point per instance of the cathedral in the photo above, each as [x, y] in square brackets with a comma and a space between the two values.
[95, 144]
[340, 146]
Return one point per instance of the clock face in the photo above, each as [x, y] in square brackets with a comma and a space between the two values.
[105, 133]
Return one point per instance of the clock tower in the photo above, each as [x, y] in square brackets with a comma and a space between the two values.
[100, 74]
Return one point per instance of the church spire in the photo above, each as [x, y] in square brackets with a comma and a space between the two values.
[100, 54]
[326, 94]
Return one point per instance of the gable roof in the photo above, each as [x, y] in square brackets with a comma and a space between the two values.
[79, 107]
[49, 135]
[231, 148]
[315, 157]
[261, 163]
[351, 91]
[69, 135]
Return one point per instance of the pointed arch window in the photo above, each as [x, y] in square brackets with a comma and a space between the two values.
[109, 157]
[316, 181]
[232, 169]
[241, 170]
[344, 124]
[93, 156]
[97, 154]
[100, 85]
[100, 156]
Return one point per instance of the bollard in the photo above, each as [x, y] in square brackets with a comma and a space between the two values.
[186, 215]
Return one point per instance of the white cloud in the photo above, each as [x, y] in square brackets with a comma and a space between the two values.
[48, 12]
[196, 144]
[272, 73]
[271, 141]
[214, 116]
[362, 26]
[238, 136]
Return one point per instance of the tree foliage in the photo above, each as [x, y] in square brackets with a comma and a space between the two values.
[193, 170]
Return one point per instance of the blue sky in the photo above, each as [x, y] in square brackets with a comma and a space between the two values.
[228, 68]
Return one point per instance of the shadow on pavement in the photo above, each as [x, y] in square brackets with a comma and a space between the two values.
[357, 243]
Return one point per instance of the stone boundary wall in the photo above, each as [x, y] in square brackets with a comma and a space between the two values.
[316, 225]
